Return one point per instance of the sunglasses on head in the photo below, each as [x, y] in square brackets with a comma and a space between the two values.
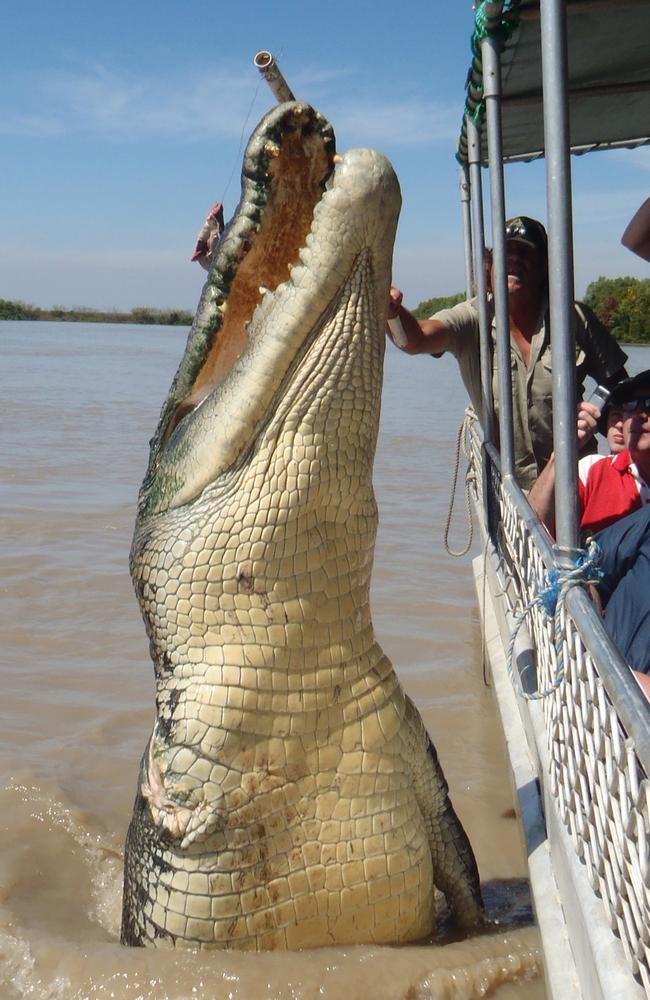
[630, 405]
[515, 229]
[521, 230]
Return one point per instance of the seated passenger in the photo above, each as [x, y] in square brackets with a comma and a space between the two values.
[624, 590]
[457, 330]
[610, 425]
[614, 485]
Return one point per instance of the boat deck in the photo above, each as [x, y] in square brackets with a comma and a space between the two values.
[575, 934]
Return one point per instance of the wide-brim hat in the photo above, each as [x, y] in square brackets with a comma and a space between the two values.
[523, 229]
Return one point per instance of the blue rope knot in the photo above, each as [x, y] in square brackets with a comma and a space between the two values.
[584, 569]
[548, 597]
[580, 567]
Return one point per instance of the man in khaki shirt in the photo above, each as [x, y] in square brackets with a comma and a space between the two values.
[457, 330]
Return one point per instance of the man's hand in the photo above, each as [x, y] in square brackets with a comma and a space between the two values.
[395, 297]
[588, 415]
[414, 336]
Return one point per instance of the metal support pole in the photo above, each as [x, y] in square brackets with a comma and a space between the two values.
[561, 292]
[470, 286]
[270, 70]
[478, 245]
[491, 59]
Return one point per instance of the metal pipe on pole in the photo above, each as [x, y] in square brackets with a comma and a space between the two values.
[466, 211]
[561, 290]
[491, 59]
[478, 246]
[269, 69]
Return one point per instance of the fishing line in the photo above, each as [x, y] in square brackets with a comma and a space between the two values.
[237, 157]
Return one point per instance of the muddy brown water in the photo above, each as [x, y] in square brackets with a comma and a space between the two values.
[79, 405]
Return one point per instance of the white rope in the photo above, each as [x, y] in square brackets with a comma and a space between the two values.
[470, 477]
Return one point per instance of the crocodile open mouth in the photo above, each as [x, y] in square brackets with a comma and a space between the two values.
[307, 255]
[286, 166]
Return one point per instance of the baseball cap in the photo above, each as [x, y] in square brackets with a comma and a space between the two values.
[528, 231]
[627, 388]
[630, 388]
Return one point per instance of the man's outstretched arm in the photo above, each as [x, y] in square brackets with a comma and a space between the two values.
[421, 336]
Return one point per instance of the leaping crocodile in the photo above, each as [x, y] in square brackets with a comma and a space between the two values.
[289, 795]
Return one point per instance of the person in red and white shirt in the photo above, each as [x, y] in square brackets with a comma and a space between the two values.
[610, 425]
[610, 486]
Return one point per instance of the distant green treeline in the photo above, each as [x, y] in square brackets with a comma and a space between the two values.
[623, 305]
[159, 317]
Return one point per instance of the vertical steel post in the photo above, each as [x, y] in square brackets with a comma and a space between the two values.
[478, 244]
[491, 59]
[470, 286]
[561, 292]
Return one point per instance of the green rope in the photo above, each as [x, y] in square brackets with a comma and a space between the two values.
[477, 114]
[502, 29]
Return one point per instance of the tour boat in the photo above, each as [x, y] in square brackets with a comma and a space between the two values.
[551, 78]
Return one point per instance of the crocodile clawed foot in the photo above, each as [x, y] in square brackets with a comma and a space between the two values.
[184, 814]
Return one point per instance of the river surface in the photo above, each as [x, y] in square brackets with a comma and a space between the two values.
[79, 404]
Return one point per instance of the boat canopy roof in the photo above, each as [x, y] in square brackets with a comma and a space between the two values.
[609, 75]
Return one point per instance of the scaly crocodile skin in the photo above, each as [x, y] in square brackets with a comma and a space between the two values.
[289, 795]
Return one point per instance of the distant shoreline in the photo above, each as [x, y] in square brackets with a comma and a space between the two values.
[143, 315]
[622, 304]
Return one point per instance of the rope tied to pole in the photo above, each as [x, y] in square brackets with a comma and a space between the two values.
[584, 569]
[501, 28]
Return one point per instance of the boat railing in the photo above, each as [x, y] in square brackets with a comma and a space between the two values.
[594, 759]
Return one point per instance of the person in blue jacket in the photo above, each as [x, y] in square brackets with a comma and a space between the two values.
[624, 590]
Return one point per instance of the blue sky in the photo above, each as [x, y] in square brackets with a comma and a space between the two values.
[121, 123]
